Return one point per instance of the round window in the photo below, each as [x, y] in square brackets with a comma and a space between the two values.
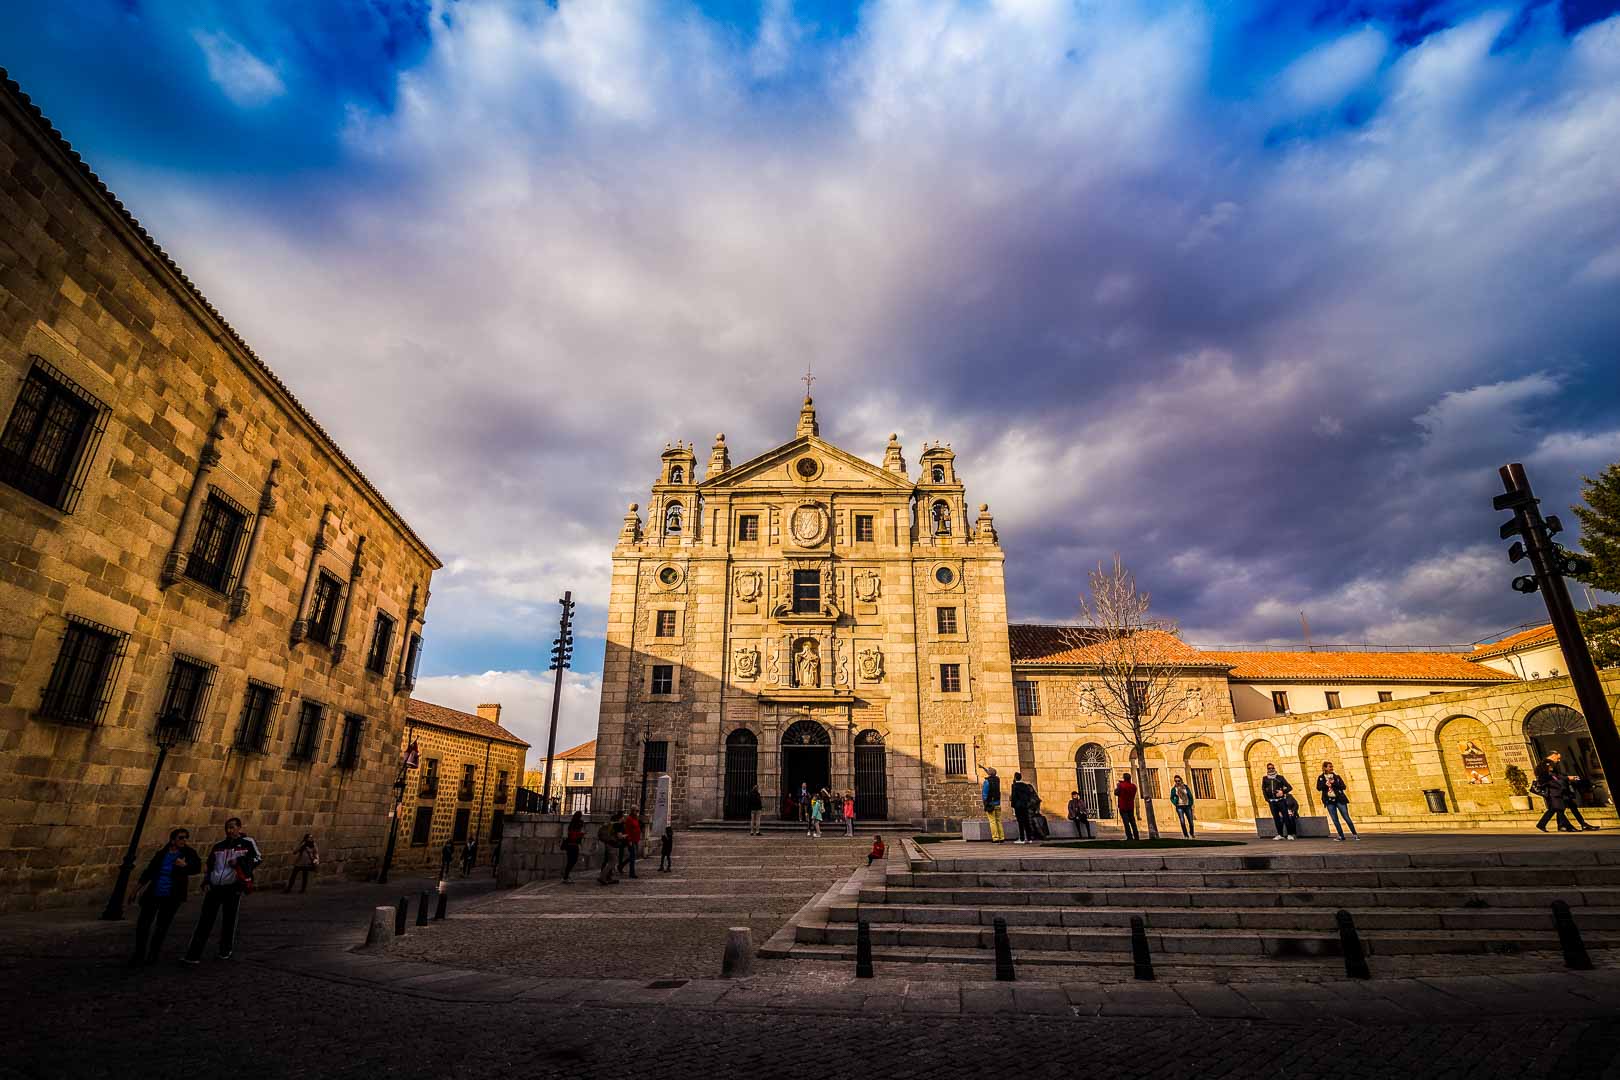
[807, 468]
[944, 575]
[669, 575]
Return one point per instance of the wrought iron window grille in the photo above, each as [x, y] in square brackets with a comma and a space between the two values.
[85, 673]
[51, 437]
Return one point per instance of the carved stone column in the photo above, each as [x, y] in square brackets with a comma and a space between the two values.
[267, 504]
[341, 646]
[174, 566]
[300, 627]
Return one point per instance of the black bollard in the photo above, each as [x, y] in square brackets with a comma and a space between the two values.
[1569, 938]
[1141, 959]
[444, 898]
[1004, 964]
[401, 913]
[1355, 954]
[422, 908]
[863, 950]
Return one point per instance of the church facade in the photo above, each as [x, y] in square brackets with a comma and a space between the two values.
[807, 617]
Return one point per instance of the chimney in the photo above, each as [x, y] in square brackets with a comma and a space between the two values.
[492, 713]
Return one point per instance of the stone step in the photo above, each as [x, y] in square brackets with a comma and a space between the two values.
[791, 827]
[1228, 918]
[1354, 899]
[1368, 878]
[1251, 943]
[1048, 959]
[1342, 856]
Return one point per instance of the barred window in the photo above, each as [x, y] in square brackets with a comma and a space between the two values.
[807, 592]
[945, 619]
[863, 529]
[219, 534]
[1029, 698]
[748, 527]
[382, 642]
[500, 788]
[1149, 783]
[663, 678]
[86, 669]
[306, 740]
[955, 759]
[51, 437]
[1203, 783]
[950, 678]
[666, 624]
[412, 655]
[185, 700]
[429, 786]
[349, 751]
[469, 774]
[323, 609]
[253, 735]
[655, 756]
[422, 826]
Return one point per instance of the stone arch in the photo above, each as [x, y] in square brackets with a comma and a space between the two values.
[1214, 801]
[1558, 727]
[1471, 764]
[1396, 788]
[741, 772]
[1314, 749]
[1093, 778]
[1254, 763]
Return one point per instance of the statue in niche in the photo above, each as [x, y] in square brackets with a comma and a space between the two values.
[746, 662]
[872, 664]
[807, 664]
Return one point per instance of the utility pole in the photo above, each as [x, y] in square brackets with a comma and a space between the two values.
[1551, 563]
[562, 650]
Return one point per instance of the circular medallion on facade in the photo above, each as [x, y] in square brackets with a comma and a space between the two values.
[945, 575]
[807, 468]
[808, 524]
[669, 576]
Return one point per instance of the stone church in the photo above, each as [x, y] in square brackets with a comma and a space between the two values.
[807, 616]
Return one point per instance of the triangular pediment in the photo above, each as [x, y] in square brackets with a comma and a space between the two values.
[838, 469]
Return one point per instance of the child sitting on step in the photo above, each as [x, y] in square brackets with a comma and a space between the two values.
[877, 850]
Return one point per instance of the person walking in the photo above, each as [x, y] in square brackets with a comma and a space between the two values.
[849, 813]
[818, 810]
[608, 834]
[161, 889]
[666, 850]
[1125, 799]
[877, 852]
[228, 873]
[631, 848]
[469, 856]
[1573, 785]
[990, 796]
[756, 808]
[306, 857]
[447, 855]
[1021, 793]
[1330, 785]
[1181, 797]
[573, 837]
[1276, 790]
[1551, 784]
[1078, 816]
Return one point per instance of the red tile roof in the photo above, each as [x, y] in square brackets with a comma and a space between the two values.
[585, 751]
[425, 712]
[1436, 667]
[1036, 644]
[1525, 639]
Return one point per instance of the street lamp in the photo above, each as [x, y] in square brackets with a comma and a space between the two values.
[562, 651]
[407, 761]
[170, 726]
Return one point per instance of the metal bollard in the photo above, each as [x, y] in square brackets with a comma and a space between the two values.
[1569, 938]
[1355, 954]
[1141, 959]
[1004, 961]
[422, 908]
[863, 950]
[401, 913]
[444, 897]
[739, 955]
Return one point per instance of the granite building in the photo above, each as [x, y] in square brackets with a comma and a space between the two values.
[465, 783]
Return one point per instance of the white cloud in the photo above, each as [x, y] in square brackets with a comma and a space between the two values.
[1327, 74]
[245, 79]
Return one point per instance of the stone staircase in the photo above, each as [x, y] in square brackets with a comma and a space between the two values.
[1217, 910]
[776, 827]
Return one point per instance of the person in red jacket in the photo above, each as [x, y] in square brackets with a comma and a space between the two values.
[877, 851]
[632, 841]
[1125, 795]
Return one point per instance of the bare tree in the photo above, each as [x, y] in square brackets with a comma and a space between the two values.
[1137, 662]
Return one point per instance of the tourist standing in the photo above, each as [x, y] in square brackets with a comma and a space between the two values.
[1276, 790]
[1078, 816]
[804, 801]
[1330, 785]
[228, 873]
[818, 810]
[990, 796]
[1021, 793]
[573, 837]
[306, 857]
[1125, 797]
[1551, 784]
[161, 889]
[877, 852]
[666, 850]
[849, 813]
[1181, 797]
[469, 856]
[608, 835]
[756, 808]
[631, 848]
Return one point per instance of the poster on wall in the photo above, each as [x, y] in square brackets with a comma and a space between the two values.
[1474, 762]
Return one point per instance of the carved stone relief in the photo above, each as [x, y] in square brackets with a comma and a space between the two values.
[867, 586]
[749, 585]
[745, 662]
[871, 664]
[841, 677]
[808, 524]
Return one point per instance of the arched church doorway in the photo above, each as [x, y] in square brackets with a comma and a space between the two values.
[1561, 728]
[742, 772]
[806, 758]
[871, 777]
[1094, 780]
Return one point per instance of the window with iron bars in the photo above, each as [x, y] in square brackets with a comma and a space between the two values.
[428, 788]
[306, 740]
[807, 592]
[469, 774]
[655, 757]
[665, 624]
[51, 437]
[382, 642]
[253, 734]
[185, 700]
[663, 678]
[748, 527]
[1149, 783]
[950, 678]
[323, 608]
[219, 535]
[1029, 698]
[406, 679]
[945, 619]
[1203, 783]
[349, 750]
[84, 674]
[863, 529]
[500, 788]
[955, 759]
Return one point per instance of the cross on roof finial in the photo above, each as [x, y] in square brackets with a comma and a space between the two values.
[807, 379]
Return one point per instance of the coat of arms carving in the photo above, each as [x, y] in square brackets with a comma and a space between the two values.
[867, 586]
[745, 662]
[871, 664]
[749, 584]
[808, 524]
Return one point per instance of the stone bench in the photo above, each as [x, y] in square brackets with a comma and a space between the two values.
[1303, 826]
[1061, 828]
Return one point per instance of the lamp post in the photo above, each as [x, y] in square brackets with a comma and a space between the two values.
[562, 650]
[170, 726]
[407, 761]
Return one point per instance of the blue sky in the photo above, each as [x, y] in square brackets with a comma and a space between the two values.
[1256, 294]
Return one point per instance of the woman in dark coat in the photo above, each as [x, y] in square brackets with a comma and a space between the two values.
[1553, 788]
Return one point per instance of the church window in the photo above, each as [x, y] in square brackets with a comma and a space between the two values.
[944, 575]
[1279, 701]
[945, 619]
[677, 475]
[1029, 698]
[748, 527]
[950, 678]
[941, 514]
[666, 624]
[806, 592]
[939, 474]
[1332, 698]
[808, 468]
[863, 528]
[955, 759]
[672, 520]
[669, 576]
[663, 678]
